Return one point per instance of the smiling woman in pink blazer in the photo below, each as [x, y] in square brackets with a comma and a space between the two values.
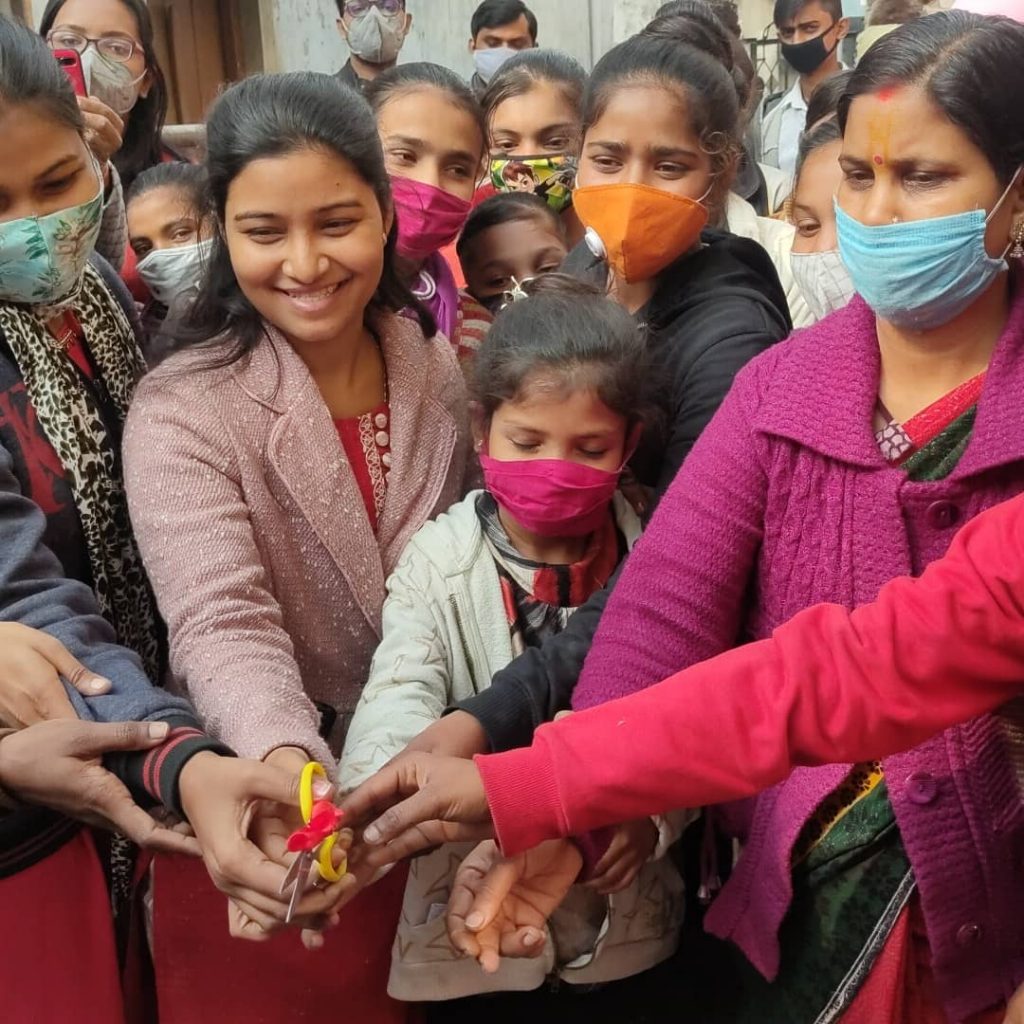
[275, 472]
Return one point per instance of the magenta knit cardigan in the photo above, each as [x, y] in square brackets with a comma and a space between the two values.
[784, 502]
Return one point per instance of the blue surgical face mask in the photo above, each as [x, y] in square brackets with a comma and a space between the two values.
[489, 62]
[920, 274]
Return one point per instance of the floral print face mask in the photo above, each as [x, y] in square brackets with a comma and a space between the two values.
[42, 259]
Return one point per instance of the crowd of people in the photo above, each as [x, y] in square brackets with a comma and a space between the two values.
[613, 481]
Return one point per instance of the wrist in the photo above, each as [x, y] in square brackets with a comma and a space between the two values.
[192, 781]
[8, 801]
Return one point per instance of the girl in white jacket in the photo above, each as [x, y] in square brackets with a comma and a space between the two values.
[559, 394]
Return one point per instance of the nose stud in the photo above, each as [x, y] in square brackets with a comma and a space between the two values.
[895, 220]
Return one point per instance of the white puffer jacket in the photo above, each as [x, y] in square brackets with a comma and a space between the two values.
[445, 634]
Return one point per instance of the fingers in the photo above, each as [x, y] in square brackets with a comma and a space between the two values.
[618, 877]
[97, 738]
[112, 801]
[247, 923]
[523, 943]
[84, 680]
[421, 838]
[388, 786]
[491, 892]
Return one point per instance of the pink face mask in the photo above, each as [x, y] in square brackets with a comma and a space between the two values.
[551, 497]
[428, 217]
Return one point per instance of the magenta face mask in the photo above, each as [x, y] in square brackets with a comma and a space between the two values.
[428, 217]
[551, 497]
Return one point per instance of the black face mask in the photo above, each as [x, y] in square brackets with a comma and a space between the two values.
[805, 58]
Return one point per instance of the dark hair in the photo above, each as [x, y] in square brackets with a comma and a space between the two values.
[724, 10]
[271, 116]
[824, 101]
[408, 78]
[893, 12]
[825, 133]
[695, 23]
[787, 10]
[519, 74]
[29, 75]
[495, 13]
[188, 178]
[505, 208]
[955, 57]
[708, 89]
[569, 329]
[142, 146]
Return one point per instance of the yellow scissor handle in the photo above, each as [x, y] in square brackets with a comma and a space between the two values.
[326, 865]
[306, 788]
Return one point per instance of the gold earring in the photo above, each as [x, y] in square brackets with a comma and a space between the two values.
[1017, 252]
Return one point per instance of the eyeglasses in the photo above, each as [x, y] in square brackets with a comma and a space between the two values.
[119, 49]
[353, 8]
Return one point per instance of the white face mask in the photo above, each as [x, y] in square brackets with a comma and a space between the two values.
[489, 62]
[173, 275]
[376, 37]
[823, 281]
[110, 82]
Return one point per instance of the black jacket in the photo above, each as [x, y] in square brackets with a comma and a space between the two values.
[714, 310]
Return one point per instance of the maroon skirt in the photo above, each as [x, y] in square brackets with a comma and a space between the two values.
[204, 976]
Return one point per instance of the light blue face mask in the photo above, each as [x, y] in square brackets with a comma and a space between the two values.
[920, 274]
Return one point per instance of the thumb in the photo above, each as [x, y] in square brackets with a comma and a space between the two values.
[268, 782]
[491, 894]
[84, 680]
[97, 738]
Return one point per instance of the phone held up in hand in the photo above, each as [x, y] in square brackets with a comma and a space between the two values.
[70, 61]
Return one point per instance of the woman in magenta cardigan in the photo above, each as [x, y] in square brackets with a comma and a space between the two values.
[840, 460]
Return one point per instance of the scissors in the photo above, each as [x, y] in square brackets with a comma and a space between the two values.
[316, 840]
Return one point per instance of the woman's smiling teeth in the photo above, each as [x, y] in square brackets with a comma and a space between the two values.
[311, 301]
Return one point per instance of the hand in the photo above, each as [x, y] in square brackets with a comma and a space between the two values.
[232, 804]
[456, 735]
[104, 130]
[31, 666]
[58, 764]
[426, 800]
[630, 849]
[1015, 1008]
[500, 905]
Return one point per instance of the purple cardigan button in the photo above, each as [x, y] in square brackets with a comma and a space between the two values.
[943, 514]
[921, 788]
[968, 934]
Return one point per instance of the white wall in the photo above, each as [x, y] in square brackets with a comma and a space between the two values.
[306, 37]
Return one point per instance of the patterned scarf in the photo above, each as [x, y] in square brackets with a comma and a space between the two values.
[539, 598]
[73, 423]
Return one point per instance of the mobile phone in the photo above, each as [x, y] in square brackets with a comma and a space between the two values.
[72, 65]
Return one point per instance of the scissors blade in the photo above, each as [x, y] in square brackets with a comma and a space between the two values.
[298, 878]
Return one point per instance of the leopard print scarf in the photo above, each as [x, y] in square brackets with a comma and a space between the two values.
[73, 424]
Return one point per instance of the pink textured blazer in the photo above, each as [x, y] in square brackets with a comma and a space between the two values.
[255, 536]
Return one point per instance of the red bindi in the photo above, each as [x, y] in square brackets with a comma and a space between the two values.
[885, 94]
[877, 160]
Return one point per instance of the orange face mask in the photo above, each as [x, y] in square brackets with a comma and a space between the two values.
[637, 229]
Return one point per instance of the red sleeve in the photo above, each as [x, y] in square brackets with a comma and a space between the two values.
[829, 686]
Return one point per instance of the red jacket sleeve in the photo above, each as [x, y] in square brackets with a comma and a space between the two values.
[829, 686]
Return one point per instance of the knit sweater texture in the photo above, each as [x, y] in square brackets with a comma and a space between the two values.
[785, 502]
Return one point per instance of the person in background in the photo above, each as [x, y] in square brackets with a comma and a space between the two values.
[318, 420]
[824, 104]
[561, 391]
[374, 31]
[170, 231]
[497, 31]
[508, 239]
[695, 24]
[882, 17]
[126, 106]
[532, 109]
[435, 147]
[818, 267]
[810, 32]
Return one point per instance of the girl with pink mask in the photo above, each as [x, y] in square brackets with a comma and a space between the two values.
[434, 139]
[559, 391]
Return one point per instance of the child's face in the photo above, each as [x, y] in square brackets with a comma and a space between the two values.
[541, 120]
[813, 214]
[428, 139]
[551, 423]
[645, 137]
[308, 257]
[163, 218]
[518, 249]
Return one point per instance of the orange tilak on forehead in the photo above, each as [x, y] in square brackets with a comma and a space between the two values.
[880, 126]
